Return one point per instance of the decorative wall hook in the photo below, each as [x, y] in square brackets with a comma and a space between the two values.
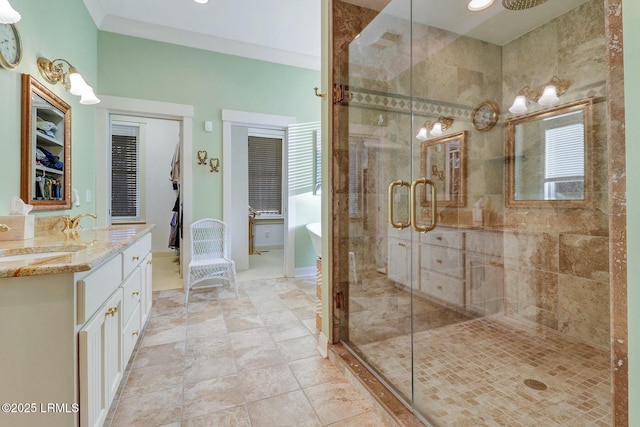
[202, 157]
[320, 95]
[214, 164]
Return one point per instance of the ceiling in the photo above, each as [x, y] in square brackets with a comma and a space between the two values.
[288, 31]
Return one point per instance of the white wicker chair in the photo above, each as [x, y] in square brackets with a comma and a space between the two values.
[209, 258]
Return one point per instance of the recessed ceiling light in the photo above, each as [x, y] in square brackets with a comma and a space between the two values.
[204, 1]
[477, 5]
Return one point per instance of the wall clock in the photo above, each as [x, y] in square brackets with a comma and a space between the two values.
[10, 46]
[485, 115]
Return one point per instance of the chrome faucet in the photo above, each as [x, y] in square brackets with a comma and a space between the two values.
[71, 224]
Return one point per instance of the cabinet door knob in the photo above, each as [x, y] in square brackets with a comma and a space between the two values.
[111, 311]
[135, 333]
[135, 257]
[135, 293]
[439, 261]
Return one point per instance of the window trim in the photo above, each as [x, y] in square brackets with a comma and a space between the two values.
[141, 167]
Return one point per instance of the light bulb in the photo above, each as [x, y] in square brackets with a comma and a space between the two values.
[549, 96]
[519, 105]
[478, 5]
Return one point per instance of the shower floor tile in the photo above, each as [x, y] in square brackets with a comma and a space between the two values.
[473, 373]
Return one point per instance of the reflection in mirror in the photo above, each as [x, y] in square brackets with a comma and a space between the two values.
[546, 156]
[46, 148]
[444, 162]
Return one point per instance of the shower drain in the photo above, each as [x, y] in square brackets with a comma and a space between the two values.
[535, 384]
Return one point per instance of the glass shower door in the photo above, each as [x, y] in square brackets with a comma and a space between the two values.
[378, 142]
[498, 314]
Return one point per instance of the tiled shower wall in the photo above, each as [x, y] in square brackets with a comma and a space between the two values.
[556, 260]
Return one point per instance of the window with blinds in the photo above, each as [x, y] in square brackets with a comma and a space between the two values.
[125, 178]
[355, 178]
[305, 158]
[564, 157]
[265, 175]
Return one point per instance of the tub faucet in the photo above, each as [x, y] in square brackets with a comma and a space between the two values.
[73, 223]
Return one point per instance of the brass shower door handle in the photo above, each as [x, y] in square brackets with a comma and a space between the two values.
[414, 209]
[392, 186]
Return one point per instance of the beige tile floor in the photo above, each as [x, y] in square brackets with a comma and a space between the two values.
[472, 372]
[222, 361]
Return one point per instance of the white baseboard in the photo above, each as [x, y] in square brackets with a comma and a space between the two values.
[305, 271]
[323, 345]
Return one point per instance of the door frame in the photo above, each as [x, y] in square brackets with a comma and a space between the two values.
[249, 120]
[182, 113]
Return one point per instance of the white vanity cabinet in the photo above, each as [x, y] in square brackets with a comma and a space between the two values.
[100, 361]
[107, 340]
[442, 266]
[457, 267]
[67, 338]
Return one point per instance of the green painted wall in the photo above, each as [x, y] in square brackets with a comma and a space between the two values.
[138, 68]
[631, 17]
[64, 31]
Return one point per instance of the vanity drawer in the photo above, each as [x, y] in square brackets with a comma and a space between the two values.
[445, 288]
[134, 254]
[94, 289]
[447, 238]
[131, 296]
[130, 334]
[443, 260]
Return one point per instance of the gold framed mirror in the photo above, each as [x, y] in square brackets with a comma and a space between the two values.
[547, 157]
[444, 161]
[45, 179]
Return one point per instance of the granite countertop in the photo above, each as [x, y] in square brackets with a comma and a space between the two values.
[83, 249]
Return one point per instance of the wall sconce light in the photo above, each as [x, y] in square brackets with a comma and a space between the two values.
[61, 71]
[549, 96]
[8, 15]
[519, 105]
[434, 128]
[546, 95]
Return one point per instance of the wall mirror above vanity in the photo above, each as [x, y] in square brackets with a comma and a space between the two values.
[46, 148]
[547, 157]
[443, 161]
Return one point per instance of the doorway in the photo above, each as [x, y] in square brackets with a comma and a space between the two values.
[474, 303]
[237, 128]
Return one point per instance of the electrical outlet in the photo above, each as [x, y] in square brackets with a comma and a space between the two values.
[266, 234]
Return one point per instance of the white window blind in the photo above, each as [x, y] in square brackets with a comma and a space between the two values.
[304, 157]
[355, 178]
[265, 174]
[564, 152]
[125, 151]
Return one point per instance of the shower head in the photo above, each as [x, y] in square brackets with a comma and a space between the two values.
[521, 4]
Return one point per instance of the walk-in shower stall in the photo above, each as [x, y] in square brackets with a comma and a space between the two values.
[471, 185]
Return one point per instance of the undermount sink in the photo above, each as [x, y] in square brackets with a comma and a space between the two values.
[315, 232]
[45, 256]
